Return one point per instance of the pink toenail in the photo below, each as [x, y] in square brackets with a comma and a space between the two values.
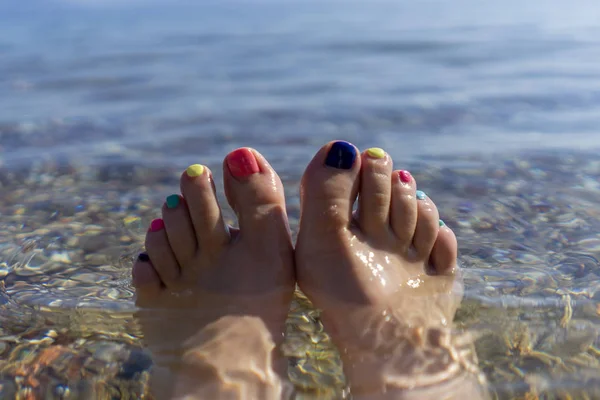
[157, 224]
[242, 163]
[405, 176]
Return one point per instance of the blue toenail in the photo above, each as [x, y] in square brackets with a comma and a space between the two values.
[421, 195]
[341, 155]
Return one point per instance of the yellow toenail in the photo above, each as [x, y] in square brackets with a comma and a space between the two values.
[194, 170]
[376, 152]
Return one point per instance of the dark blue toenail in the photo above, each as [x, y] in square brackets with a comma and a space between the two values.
[143, 257]
[341, 155]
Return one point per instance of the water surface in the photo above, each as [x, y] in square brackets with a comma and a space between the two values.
[493, 107]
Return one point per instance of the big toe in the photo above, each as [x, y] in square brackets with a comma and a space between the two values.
[329, 188]
[256, 194]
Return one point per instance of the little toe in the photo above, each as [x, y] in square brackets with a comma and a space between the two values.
[445, 251]
[203, 209]
[375, 192]
[403, 211]
[145, 279]
[162, 256]
[179, 229]
[256, 194]
[329, 188]
[427, 227]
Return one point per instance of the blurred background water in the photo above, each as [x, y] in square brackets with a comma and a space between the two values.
[430, 77]
[495, 107]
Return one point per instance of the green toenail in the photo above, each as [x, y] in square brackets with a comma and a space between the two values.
[442, 223]
[172, 201]
[421, 195]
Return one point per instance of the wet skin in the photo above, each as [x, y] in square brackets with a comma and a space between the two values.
[385, 276]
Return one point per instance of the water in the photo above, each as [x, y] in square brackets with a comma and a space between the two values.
[494, 107]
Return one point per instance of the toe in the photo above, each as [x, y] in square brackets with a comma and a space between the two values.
[160, 252]
[375, 192]
[203, 209]
[427, 227]
[256, 194]
[145, 279]
[403, 210]
[179, 229]
[445, 251]
[329, 188]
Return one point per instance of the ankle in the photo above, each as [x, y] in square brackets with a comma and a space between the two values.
[394, 360]
[462, 386]
[233, 357]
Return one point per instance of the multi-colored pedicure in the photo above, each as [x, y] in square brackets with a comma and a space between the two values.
[242, 163]
[421, 195]
[144, 257]
[376, 152]
[173, 201]
[341, 155]
[194, 170]
[157, 225]
[405, 176]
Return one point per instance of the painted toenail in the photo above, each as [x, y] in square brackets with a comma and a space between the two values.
[194, 170]
[376, 152]
[442, 223]
[341, 155]
[405, 176]
[144, 257]
[242, 163]
[173, 201]
[421, 195]
[156, 225]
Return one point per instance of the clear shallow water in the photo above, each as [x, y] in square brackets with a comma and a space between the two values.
[493, 107]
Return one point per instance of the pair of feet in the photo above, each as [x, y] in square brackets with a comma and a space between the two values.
[384, 275]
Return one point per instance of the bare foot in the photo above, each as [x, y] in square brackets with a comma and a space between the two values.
[212, 299]
[383, 276]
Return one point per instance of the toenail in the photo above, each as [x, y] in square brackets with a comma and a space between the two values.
[194, 170]
[421, 195]
[173, 201]
[376, 152]
[405, 176]
[144, 257]
[156, 225]
[341, 155]
[442, 223]
[242, 163]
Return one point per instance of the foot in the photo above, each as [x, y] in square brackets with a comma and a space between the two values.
[203, 286]
[384, 276]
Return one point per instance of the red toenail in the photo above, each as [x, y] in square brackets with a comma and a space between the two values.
[242, 163]
[405, 176]
[157, 224]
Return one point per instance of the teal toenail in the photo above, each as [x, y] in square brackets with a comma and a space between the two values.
[172, 201]
[442, 223]
[421, 195]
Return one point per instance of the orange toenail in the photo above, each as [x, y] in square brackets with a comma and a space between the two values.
[242, 163]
